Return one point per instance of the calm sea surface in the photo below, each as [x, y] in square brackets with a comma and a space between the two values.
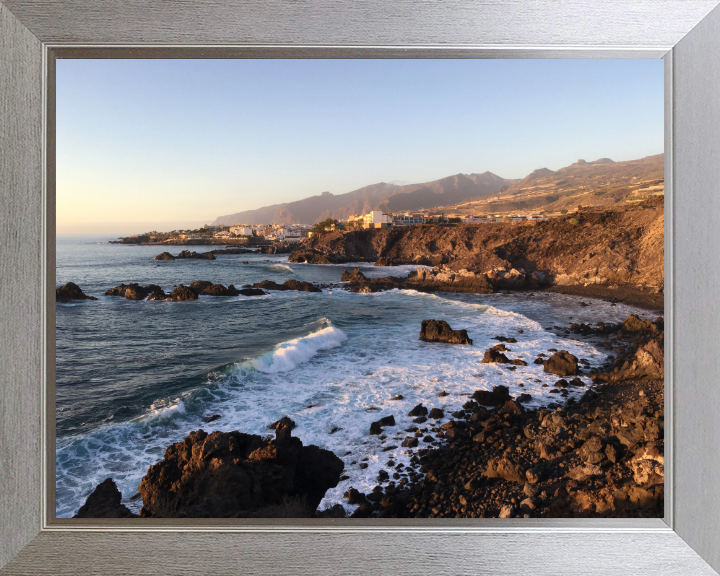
[134, 377]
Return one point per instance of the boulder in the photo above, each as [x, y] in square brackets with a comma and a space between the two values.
[376, 427]
[498, 396]
[585, 472]
[355, 276]
[505, 469]
[104, 502]
[493, 356]
[440, 331]
[71, 291]
[561, 363]
[236, 475]
[419, 410]
[164, 256]
[648, 465]
[436, 413]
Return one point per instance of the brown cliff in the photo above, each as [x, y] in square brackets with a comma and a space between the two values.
[608, 247]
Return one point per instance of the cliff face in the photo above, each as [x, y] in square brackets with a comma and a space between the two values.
[619, 246]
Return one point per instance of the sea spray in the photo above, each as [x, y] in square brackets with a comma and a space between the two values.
[292, 353]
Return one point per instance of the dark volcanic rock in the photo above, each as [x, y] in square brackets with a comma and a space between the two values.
[492, 356]
[354, 276]
[498, 396]
[376, 427]
[196, 255]
[436, 413]
[199, 286]
[235, 475]
[419, 410]
[136, 292]
[71, 291]
[561, 363]
[104, 502]
[181, 293]
[164, 256]
[440, 331]
[251, 292]
[300, 286]
[220, 290]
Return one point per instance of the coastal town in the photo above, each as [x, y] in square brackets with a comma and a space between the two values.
[283, 232]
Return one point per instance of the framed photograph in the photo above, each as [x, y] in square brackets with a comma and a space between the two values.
[248, 393]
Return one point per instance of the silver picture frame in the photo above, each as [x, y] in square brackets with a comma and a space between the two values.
[686, 33]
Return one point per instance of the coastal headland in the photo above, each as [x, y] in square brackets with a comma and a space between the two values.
[609, 253]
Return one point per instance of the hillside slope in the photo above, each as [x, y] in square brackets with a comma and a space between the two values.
[599, 183]
[621, 246]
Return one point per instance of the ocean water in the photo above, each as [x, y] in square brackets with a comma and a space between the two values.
[134, 377]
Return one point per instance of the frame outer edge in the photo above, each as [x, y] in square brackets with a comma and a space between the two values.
[21, 283]
[696, 110]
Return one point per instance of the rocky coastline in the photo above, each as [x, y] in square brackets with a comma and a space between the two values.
[592, 251]
[599, 456]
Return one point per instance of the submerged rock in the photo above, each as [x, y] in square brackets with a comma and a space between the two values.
[298, 285]
[440, 331]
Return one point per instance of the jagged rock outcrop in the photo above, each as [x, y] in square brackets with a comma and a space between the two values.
[354, 276]
[104, 502]
[71, 291]
[649, 362]
[236, 475]
[164, 256]
[440, 331]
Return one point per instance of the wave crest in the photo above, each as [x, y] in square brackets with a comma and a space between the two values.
[292, 353]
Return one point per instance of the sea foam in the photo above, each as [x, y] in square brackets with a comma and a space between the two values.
[290, 354]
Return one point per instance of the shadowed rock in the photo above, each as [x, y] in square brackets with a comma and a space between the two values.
[440, 331]
[235, 475]
[561, 363]
[71, 291]
[104, 502]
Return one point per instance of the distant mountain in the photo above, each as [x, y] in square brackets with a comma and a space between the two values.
[602, 182]
[383, 196]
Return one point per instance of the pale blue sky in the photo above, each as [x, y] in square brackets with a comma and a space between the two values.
[145, 144]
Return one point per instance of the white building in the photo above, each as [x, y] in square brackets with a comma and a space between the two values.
[241, 230]
[376, 219]
[408, 219]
